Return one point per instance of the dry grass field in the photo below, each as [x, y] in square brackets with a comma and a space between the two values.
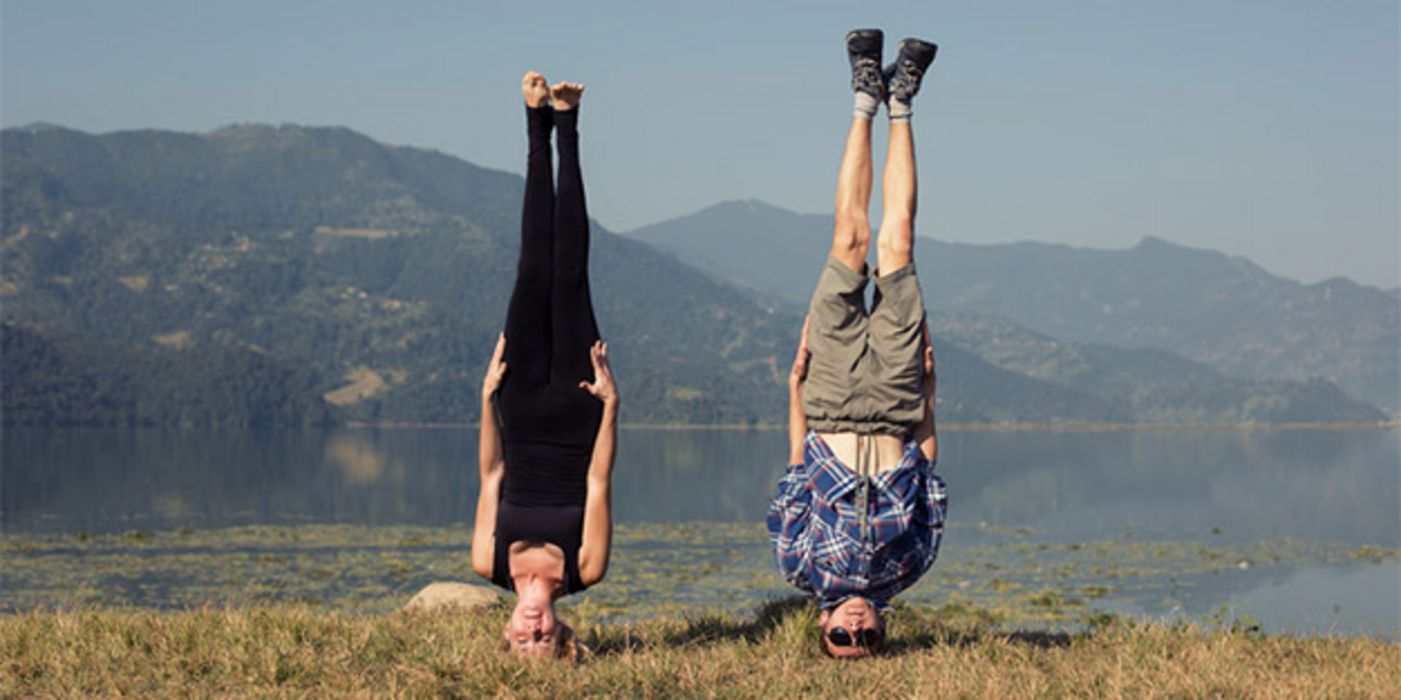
[298, 651]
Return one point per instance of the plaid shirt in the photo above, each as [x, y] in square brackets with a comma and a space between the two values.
[822, 545]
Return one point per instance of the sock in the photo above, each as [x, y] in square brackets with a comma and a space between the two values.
[866, 105]
[899, 110]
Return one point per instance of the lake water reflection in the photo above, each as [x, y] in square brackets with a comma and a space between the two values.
[1047, 487]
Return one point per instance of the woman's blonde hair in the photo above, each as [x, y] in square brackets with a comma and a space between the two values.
[567, 645]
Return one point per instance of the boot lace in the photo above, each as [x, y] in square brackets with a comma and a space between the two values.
[907, 79]
[865, 73]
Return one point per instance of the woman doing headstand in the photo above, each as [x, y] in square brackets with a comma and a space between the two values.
[544, 523]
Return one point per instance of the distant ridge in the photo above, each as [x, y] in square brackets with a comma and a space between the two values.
[376, 278]
[39, 127]
[1223, 311]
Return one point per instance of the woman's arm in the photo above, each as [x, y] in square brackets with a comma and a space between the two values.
[925, 433]
[492, 467]
[598, 503]
[797, 420]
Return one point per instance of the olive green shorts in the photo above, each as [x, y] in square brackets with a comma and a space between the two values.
[866, 371]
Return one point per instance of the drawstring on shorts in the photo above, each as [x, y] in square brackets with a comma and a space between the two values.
[867, 464]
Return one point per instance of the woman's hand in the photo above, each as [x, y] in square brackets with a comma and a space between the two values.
[602, 386]
[496, 369]
[799, 373]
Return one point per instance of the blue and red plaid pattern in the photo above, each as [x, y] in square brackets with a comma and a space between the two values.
[823, 547]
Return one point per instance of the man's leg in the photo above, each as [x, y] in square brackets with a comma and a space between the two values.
[851, 232]
[899, 186]
[837, 314]
[897, 340]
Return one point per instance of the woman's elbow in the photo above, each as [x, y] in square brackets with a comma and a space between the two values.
[481, 564]
[490, 468]
[481, 570]
[589, 575]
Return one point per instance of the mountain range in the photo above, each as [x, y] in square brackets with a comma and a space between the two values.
[150, 276]
[1223, 312]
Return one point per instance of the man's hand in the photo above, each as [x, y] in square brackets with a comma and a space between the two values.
[602, 387]
[799, 373]
[797, 420]
[926, 434]
[496, 369]
[931, 379]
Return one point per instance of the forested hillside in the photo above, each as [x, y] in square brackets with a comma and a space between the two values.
[324, 276]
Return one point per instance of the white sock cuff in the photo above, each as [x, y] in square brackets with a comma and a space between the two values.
[866, 105]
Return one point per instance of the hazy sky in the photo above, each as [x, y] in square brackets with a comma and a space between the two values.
[1262, 128]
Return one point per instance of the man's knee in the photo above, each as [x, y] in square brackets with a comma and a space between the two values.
[851, 236]
[896, 237]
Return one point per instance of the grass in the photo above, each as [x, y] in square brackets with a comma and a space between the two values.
[949, 652]
[306, 611]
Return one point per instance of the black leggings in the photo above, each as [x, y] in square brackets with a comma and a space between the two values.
[548, 423]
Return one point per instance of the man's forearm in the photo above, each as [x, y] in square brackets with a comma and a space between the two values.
[927, 435]
[797, 424]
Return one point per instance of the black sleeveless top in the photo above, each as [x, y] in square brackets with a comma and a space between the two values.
[562, 526]
[546, 443]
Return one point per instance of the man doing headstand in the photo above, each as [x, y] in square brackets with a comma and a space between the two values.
[859, 512]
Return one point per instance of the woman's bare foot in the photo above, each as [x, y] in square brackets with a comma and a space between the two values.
[535, 89]
[566, 95]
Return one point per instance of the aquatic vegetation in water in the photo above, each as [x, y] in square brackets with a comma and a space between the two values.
[691, 568]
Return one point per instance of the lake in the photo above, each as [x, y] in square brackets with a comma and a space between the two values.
[1294, 529]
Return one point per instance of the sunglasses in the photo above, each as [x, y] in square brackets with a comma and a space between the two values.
[865, 637]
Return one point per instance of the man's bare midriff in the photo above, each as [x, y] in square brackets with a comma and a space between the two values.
[888, 449]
